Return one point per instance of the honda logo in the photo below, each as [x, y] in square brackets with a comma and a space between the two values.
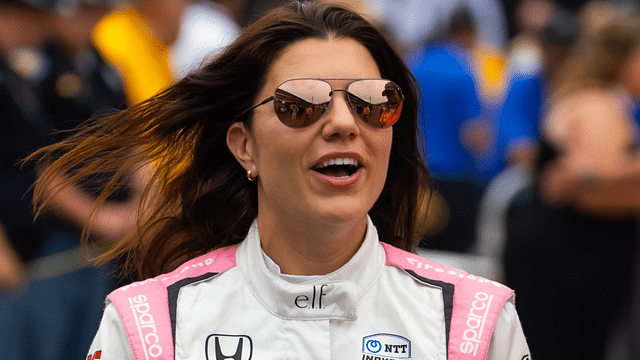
[228, 347]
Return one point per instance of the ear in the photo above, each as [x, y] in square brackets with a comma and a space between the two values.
[240, 144]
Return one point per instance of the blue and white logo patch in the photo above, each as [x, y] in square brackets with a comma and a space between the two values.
[387, 346]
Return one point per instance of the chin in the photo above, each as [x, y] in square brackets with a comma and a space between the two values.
[341, 215]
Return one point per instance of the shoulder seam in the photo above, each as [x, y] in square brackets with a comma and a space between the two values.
[173, 291]
[447, 298]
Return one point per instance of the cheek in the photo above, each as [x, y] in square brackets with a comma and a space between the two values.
[385, 143]
[277, 155]
[272, 159]
[382, 144]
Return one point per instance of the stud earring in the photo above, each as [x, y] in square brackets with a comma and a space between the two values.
[251, 178]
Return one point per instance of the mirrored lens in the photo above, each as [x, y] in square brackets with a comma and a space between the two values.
[301, 102]
[310, 90]
[377, 102]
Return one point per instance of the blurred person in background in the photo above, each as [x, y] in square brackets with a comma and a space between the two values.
[534, 59]
[576, 227]
[22, 123]
[454, 132]
[113, 57]
[547, 34]
[52, 80]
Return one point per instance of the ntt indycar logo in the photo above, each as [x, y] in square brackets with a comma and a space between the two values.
[475, 323]
[146, 326]
[385, 347]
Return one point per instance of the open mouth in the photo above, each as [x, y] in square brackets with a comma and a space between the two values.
[339, 167]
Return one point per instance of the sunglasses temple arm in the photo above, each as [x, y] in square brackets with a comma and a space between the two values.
[253, 107]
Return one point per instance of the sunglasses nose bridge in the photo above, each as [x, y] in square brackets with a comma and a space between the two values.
[344, 99]
[334, 90]
[332, 93]
[345, 91]
[340, 121]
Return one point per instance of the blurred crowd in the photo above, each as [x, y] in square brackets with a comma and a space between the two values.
[529, 114]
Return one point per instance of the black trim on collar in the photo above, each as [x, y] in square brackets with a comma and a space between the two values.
[172, 295]
[447, 296]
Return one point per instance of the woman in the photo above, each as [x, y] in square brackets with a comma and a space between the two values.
[292, 158]
[581, 220]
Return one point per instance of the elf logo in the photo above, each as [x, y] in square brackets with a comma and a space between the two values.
[228, 347]
[313, 300]
[383, 346]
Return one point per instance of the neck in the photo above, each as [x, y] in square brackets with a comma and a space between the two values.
[310, 250]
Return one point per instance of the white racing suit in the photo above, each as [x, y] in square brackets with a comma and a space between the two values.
[383, 304]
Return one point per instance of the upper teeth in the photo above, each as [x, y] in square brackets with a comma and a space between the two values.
[339, 161]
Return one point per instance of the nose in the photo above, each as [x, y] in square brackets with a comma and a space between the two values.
[339, 121]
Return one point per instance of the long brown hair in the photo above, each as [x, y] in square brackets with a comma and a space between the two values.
[200, 198]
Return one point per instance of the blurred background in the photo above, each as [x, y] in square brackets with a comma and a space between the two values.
[529, 114]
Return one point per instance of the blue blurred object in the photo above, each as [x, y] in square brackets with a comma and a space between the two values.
[449, 98]
[449, 103]
[54, 318]
[519, 119]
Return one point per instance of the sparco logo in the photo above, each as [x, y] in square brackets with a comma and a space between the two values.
[475, 323]
[146, 326]
[228, 347]
[385, 346]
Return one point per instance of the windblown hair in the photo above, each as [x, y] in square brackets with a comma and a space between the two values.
[200, 198]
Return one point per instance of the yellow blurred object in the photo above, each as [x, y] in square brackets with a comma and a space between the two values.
[124, 39]
[490, 67]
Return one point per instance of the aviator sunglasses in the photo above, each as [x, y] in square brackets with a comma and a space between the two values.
[301, 102]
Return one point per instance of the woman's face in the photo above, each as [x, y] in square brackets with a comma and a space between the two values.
[294, 186]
